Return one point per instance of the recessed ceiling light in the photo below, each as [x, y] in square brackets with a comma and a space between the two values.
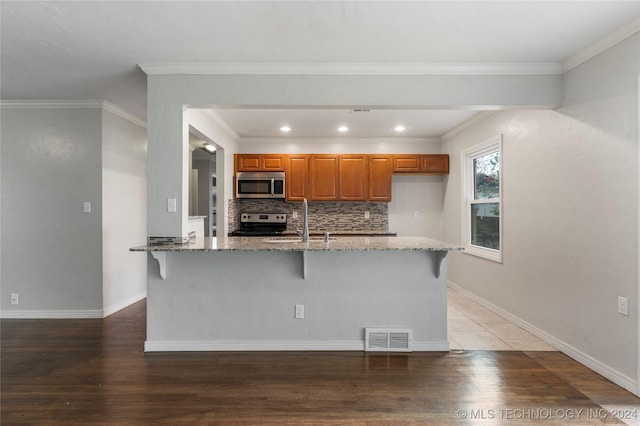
[210, 147]
[343, 129]
[285, 129]
[399, 128]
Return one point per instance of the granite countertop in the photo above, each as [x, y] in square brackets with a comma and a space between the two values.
[345, 243]
[361, 233]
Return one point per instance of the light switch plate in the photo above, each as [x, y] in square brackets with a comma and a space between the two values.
[299, 311]
[86, 207]
[171, 205]
[623, 305]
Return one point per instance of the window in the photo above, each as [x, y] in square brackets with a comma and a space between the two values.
[482, 222]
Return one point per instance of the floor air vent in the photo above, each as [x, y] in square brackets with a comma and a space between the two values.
[388, 340]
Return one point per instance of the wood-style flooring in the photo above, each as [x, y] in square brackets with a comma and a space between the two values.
[93, 372]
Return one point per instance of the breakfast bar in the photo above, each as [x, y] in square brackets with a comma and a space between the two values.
[249, 293]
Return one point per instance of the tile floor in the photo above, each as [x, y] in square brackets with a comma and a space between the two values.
[471, 326]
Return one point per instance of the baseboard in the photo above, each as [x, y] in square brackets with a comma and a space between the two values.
[51, 314]
[264, 345]
[121, 305]
[616, 377]
[271, 345]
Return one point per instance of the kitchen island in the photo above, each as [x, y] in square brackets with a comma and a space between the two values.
[244, 293]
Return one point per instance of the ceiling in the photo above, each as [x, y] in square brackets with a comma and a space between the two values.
[91, 50]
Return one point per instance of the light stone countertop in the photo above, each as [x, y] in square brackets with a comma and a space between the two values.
[341, 243]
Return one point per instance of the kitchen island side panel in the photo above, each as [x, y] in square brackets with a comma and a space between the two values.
[229, 300]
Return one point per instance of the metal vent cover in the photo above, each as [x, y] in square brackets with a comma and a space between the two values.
[388, 340]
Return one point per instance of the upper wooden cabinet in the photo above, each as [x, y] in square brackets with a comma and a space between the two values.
[323, 177]
[435, 164]
[297, 177]
[342, 177]
[406, 163]
[380, 171]
[352, 177]
[259, 162]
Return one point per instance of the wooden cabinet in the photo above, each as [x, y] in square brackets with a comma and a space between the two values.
[352, 177]
[259, 162]
[297, 177]
[380, 172]
[323, 177]
[406, 163]
[434, 164]
[342, 177]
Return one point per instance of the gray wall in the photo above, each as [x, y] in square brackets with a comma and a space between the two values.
[51, 250]
[62, 262]
[570, 200]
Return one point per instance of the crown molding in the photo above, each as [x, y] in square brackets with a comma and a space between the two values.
[44, 103]
[338, 140]
[73, 104]
[223, 124]
[601, 45]
[307, 68]
[483, 115]
[115, 110]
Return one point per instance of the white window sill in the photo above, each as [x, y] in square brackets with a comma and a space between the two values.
[489, 254]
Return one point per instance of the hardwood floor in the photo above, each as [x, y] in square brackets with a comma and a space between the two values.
[95, 372]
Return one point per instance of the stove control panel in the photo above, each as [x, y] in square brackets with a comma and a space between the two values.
[263, 218]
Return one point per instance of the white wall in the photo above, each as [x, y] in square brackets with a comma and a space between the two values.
[51, 250]
[124, 219]
[416, 193]
[570, 214]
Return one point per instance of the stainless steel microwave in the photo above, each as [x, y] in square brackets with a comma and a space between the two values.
[260, 185]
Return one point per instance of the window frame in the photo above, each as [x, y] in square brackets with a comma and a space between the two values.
[468, 198]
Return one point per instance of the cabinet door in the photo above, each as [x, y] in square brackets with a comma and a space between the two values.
[247, 163]
[272, 163]
[323, 177]
[353, 178]
[406, 163]
[259, 162]
[435, 164]
[297, 177]
[380, 171]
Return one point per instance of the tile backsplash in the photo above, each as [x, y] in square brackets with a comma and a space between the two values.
[323, 215]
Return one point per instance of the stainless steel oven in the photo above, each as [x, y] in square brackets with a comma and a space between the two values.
[261, 224]
[260, 185]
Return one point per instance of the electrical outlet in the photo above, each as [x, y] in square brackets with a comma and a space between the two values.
[86, 207]
[299, 311]
[366, 215]
[623, 305]
[294, 215]
[416, 215]
[14, 298]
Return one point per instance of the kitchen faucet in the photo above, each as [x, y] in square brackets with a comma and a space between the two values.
[305, 220]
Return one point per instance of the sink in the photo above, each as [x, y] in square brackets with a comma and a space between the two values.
[295, 240]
